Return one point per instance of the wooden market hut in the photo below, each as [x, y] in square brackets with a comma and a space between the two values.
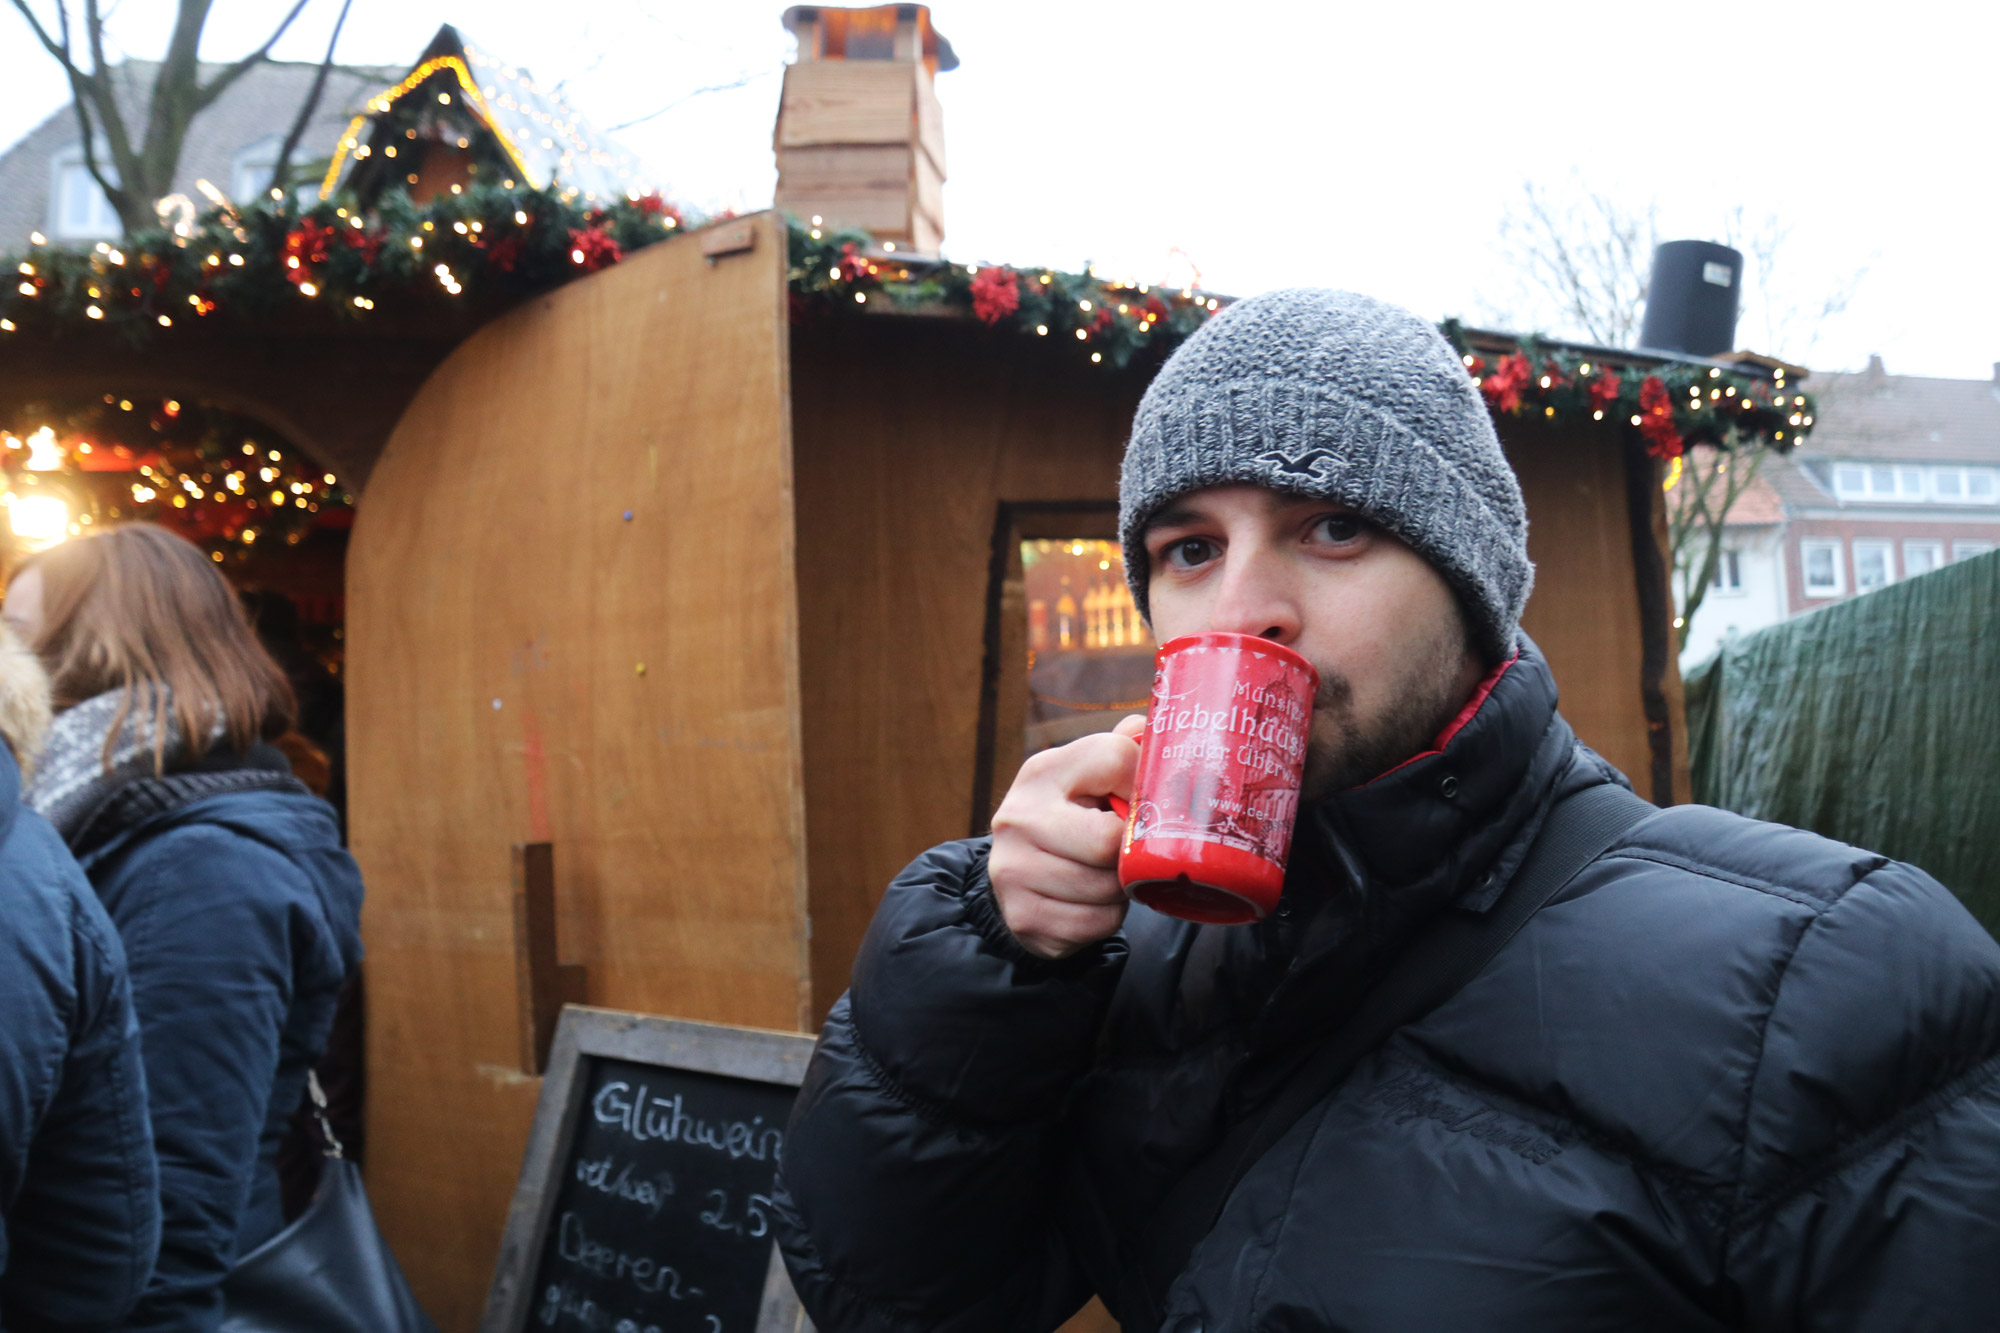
[726, 610]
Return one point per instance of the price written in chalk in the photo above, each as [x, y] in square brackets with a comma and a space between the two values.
[662, 1221]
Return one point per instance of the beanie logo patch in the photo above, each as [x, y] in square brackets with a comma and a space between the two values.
[1316, 464]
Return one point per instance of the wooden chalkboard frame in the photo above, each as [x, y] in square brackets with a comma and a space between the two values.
[582, 1035]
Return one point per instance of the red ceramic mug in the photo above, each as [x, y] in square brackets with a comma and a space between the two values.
[1217, 788]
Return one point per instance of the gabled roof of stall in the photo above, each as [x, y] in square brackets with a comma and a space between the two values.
[546, 139]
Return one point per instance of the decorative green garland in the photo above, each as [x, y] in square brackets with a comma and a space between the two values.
[491, 244]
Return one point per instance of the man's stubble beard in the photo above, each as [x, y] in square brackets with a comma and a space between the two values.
[1345, 751]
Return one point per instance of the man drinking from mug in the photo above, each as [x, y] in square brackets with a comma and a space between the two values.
[1729, 1075]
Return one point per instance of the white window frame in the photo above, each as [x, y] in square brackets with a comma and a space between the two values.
[259, 157]
[1841, 489]
[67, 174]
[1957, 475]
[1910, 483]
[1886, 549]
[1967, 549]
[1728, 574]
[1936, 550]
[1839, 585]
[1992, 480]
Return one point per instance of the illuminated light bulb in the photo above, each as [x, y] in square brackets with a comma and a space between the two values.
[93, 311]
[1096, 356]
[576, 256]
[307, 289]
[1545, 381]
[43, 455]
[1583, 369]
[460, 228]
[817, 221]
[1041, 330]
[519, 216]
[42, 520]
[416, 242]
[1635, 418]
[36, 238]
[277, 497]
[26, 289]
[1714, 372]
[1081, 335]
[165, 322]
[274, 456]
[1466, 359]
[329, 479]
[861, 298]
[249, 448]
[1083, 305]
[889, 246]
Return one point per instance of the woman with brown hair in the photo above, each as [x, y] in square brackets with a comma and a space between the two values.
[238, 907]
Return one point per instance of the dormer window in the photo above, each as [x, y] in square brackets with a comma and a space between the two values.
[78, 210]
[250, 169]
[1881, 482]
[250, 174]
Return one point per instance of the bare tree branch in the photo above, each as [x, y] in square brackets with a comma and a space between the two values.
[61, 52]
[221, 82]
[679, 101]
[284, 163]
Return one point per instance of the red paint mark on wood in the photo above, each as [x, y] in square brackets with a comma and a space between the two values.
[534, 762]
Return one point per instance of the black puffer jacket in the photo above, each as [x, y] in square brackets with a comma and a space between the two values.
[1736, 1076]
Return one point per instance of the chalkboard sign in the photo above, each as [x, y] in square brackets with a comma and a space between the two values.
[644, 1199]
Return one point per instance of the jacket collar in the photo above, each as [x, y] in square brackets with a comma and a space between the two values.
[1442, 819]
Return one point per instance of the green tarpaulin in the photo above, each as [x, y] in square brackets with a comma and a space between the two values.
[1875, 721]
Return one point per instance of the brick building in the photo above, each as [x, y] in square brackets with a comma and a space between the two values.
[1900, 475]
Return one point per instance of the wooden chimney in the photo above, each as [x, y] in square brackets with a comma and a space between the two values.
[860, 137]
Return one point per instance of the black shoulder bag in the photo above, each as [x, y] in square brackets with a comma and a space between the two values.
[330, 1271]
[1577, 830]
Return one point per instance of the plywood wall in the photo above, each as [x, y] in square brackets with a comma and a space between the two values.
[908, 437]
[571, 620]
[1584, 613]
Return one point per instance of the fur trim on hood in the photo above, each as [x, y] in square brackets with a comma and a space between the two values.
[25, 711]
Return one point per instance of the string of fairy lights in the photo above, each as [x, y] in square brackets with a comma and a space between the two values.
[475, 249]
[217, 478]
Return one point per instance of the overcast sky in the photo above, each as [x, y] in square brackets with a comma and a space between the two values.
[1375, 147]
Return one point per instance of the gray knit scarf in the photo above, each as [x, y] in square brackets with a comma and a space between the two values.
[74, 776]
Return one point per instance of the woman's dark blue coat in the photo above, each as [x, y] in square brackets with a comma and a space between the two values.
[1735, 1077]
[240, 915]
[79, 1204]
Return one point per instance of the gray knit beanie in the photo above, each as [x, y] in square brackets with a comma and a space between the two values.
[1347, 398]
